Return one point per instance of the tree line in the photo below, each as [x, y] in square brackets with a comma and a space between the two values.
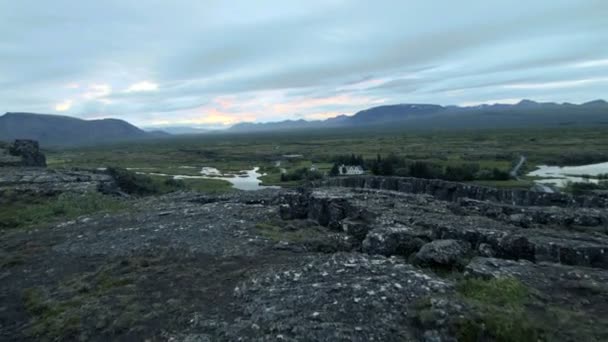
[393, 165]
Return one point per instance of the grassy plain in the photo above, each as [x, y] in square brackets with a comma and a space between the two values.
[235, 152]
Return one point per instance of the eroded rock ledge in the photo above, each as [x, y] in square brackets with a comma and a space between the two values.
[395, 223]
[452, 191]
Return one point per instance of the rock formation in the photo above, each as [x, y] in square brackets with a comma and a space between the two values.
[452, 191]
[22, 153]
[395, 223]
[319, 264]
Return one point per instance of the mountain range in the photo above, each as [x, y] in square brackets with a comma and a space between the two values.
[428, 116]
[55, 130]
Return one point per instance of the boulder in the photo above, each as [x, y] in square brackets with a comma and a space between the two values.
[356, 228]
[486, 250]
[443, 252]
[393, 241]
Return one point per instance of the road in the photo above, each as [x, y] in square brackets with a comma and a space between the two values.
[515, 171]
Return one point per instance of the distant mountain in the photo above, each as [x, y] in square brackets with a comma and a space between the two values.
[526, 113]
[56, 130]
[289, 124]
[178, 130]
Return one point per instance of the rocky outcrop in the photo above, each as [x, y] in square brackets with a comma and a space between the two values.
[548, 275]
[452, 191]
[245, 274]
[394, 223]
[47, 182]
[29, 152]
[394, 241]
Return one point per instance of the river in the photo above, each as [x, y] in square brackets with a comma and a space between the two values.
[560, 176]
[248, 180]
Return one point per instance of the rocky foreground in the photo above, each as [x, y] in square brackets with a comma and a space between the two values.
[325, 263]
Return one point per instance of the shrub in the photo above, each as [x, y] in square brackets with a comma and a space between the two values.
[420, 169]
[498, 174]
[464, 172]
[301, 174]
[132, 183]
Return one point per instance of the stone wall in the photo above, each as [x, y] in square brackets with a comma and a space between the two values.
[452, 191]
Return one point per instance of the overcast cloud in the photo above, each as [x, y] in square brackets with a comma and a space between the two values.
[215, 63]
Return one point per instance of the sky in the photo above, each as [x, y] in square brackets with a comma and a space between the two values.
[208, 63]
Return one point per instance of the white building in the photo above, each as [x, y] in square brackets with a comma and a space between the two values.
[350, 170]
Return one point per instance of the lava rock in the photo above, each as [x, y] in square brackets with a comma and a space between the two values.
[29, 151]
[393, 241]
[443, 252]
[356, 228]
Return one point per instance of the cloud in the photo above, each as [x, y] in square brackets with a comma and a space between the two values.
[97, 91]
[142, 86]
[592, 63]
[64, 106]
[189, 62]
[559, 84]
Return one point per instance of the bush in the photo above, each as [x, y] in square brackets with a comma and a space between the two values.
[174, 183]
[301, 174]
[459, 173]
[420, 169]
[498, 174]
[132, 183]
[335, 170]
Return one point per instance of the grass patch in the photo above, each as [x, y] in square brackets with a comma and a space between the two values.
[81, 301]
[31, 212]
[501, 313]
[52, 320]
[502, 291]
